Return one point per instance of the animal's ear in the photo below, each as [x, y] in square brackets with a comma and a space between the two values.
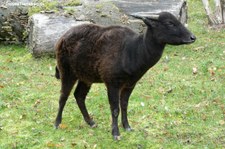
[148, 20]
[151, 20]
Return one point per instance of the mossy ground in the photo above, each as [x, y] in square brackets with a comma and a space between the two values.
[171, 107]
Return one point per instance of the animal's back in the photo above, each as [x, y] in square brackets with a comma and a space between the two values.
[93, 51]
[94, 38]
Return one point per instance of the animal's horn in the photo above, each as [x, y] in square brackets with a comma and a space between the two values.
[153, 17]
[143, 16]
[137, 16]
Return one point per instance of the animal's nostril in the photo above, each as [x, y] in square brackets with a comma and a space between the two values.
[193, 38]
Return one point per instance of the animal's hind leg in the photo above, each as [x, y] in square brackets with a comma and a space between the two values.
[80, 94]
[66, 87]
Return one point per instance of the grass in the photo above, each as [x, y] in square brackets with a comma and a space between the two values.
[51, 5]
[170, 107]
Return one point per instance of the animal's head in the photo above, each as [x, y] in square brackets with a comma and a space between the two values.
[166, 29]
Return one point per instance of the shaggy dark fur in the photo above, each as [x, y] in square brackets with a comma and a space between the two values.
[116, 56]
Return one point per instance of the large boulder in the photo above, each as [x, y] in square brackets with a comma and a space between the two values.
[14, 16]
[147, 7]
[45, 30]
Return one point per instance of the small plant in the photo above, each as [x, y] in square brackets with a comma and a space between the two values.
[44, 5]
[69, 10]
[72, 3]
[99, 6]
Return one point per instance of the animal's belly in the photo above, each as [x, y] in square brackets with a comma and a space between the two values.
[88, 77]
[87, 71]
[84, 67]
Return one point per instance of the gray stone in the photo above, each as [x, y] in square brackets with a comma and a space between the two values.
[148, 7]
[111, 12]
[45, 30]
[13, 20]
[144, 7]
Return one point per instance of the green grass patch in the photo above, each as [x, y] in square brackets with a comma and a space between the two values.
[171, 107]
[51, 5]
[44, 5]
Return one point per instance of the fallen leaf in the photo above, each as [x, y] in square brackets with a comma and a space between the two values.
[167, 59]
[198, 105]
[194, 70]
[199, 48]
[63, 126]
[166, 68]
[169, 90]
[23, 116]
[53, 145]
[62, 139]
[50, 144]
[50, 68]
[213, 79]
[221, 122]
[36, 103]
[73, 144]
[161, 90]
[166, 108]
[204, 117]
[58, 145]
[212, 71]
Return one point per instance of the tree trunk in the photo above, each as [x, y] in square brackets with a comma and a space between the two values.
[223, 10]
[217, 15]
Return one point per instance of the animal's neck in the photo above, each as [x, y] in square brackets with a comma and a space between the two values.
[147, 53]
[152, 48]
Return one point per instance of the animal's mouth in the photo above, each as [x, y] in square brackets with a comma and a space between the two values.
[187, 40]
[190, 40]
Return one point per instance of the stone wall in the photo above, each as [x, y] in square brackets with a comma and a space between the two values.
[13, 20]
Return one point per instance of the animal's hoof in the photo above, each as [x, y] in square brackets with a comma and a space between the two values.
[129, 129]
[92, 124]
[117, 138]
[56, 125]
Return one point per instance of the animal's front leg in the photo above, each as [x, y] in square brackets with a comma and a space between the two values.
[124, 98]
[113, 96]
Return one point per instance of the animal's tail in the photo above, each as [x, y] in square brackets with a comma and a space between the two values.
[58, 48]
[57, 73]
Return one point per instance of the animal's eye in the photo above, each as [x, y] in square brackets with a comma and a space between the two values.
[170, 24]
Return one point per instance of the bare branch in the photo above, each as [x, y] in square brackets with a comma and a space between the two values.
[215, 17]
